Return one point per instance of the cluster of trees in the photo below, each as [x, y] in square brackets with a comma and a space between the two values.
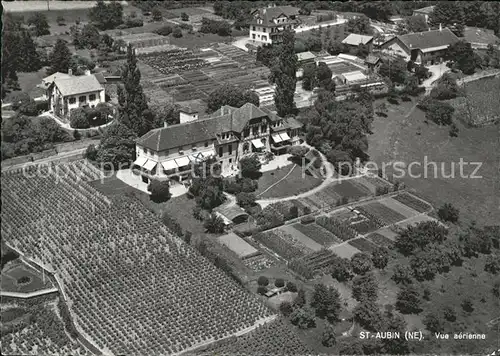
[461, 56]
[19, 53]
[360, 25]
[61, 60]
[231, 95]
[85, 117]
[317, 76]
[221, 28]
[283, 75]
[106, 16]
[412, 24]
[160, 191]
[22, 135]
[234, 10]
[339, 129]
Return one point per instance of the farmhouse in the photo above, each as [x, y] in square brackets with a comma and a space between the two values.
[354, 41]
[373, 63]
[268, 24]
[228, 134]
[68, 92]
[421, 47]
[425, 12]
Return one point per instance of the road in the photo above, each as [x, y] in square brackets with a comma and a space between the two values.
[437, 71]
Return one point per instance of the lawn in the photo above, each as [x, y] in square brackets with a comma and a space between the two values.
[409, 139]
[295, 183]
[12, 274]
[381, 212]
[198, 40]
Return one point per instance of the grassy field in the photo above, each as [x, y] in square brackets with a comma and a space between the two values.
[404, 136]
[294, 183]
[198, 40]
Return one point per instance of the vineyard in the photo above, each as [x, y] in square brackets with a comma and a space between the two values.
[274, 338]
[132, 286]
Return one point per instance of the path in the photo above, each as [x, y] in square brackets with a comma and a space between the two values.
[69, 156]
[29, 294]
[65, 125]
[477, 76]
[272, 185]
[322, 25]
[327, 181]
[437, 71]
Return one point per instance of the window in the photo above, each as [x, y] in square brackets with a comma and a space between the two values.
[264, 29]
[181, 152]
[82, 99]
[206, 144]
[230, 160]
[145, 150]
[264, 38]
[91, 97]
[221, 151]
[263, 128]
[230, 149]
[193, 147]
[253, 35]
[253, 28]
[255, 130]
[72, 100]
[246, 132]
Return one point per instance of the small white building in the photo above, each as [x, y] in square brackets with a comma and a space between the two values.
[352, 78]
[425, 12]
[68, 93]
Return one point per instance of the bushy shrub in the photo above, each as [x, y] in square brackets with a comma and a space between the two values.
[222, 28]
[78, 119]
[91, 153]
[177, 32]
[160, 191]
[263, 281]
[279, 282]
[164, 31]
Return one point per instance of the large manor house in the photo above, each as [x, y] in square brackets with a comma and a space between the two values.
[228, 134]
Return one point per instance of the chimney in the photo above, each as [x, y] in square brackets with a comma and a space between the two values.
[70, 71]
[165, 123]
[87, 71]
[440, 28]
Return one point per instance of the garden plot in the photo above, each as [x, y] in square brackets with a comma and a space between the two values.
[345, 250]
[318, 234]
[387, 233]
[375, 183]
[363, 245]
[236, 244]
[399, 207]
[282, 243]
[304, 239]
[380, 240]
[380, 213]
[415, 220]
[413, 202]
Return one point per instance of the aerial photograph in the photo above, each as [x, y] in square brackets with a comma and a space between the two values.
[250, 178]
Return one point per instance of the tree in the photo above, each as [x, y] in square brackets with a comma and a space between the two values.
[446, 88]
[439, 112]
[78, 119]
[133, 110]
[156, 14]
[380, 257]
[394, 69]
[368, 315]
[283, 74]
[412, 24]
[279, 283]
[214, 224]
[408, 300]
[263, 281]
[324, 77]
[402, 274]
[467, 305]
[461, 56]
[449, 313]
[419, 236]
[326, 301]
[117, 146]
[177, 32]
[448, 14]
[160, 190]
[434, 322]
[89, 36]
[61, 21]
[60, 58]
[365, 288]
[303, 318]
[286, 308]
[360, 25]
[361, 263]
[298, 152]
[427, 263]
[231, 95]
[184, 17]
[39, 21]
[91, 152]
[309, 81]
[328, 338]
[250, 166]
[448, 212]
[492, 264]
[106, 15]
[300, 301]
[245, 200]
[340, 269]
[29, 58]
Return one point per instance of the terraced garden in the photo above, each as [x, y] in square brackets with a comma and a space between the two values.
[117, 263]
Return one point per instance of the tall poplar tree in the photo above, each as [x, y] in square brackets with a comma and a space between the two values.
[133, 107]
[29, 60]
[283, 74]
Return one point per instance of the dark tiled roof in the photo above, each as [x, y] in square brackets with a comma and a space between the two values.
[100, 78]
[225, 119]
[268, 14]
[429, 39]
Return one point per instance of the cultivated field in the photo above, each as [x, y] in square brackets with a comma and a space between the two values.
[117, 262]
